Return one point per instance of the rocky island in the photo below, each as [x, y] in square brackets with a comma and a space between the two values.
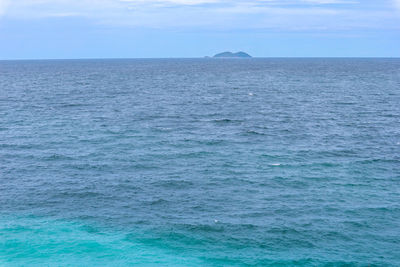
[230, 55]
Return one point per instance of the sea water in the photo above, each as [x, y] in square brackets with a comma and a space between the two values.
[200, 162]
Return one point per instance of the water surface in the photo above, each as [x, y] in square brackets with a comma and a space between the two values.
[200, 162]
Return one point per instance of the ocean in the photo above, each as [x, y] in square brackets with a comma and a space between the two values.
[200, 162]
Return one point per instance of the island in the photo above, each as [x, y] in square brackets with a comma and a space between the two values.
[230, 55]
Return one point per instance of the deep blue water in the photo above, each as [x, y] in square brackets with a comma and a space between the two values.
[200, 162]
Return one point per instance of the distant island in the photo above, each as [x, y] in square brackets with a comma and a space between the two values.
[230, 54]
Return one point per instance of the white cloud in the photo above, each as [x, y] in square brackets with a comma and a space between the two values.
[42, 8]
[3, 6]
[175, 2]
[397, 3]
[323, 2]
[216, 14]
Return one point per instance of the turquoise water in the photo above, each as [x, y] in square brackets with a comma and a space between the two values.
[200, 162]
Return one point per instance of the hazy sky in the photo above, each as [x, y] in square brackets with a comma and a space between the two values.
[195, 28]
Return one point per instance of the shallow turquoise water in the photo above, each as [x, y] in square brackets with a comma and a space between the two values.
[200, 162]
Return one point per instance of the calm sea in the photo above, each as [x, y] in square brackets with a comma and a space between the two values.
[200, 162]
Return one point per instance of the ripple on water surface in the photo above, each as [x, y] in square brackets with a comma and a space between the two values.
[200, 162]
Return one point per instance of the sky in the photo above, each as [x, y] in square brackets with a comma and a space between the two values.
[57, 29]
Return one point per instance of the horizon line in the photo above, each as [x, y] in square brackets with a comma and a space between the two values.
[205, 57]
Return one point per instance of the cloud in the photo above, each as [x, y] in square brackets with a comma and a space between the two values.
[323, 2]
[175, 2]
[397, 3]
[3, 6]
[89, 7]
[216, 14]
